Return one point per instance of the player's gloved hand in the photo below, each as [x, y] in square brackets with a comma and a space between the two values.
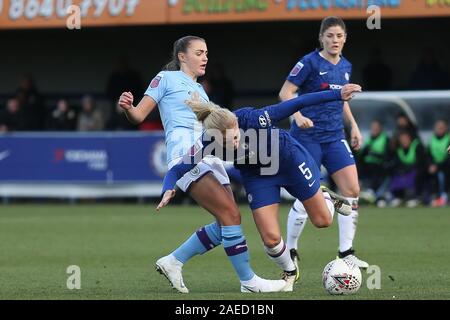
[356, 138]
[126, 100]
[168, 195]
[303, 122]
[348, 91]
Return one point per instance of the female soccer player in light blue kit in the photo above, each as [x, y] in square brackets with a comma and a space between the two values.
[208, 184]
[320, 130]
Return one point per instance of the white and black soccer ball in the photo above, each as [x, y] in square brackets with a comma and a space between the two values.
[341, 276]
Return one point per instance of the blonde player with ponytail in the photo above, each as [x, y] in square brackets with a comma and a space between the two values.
[298, 174]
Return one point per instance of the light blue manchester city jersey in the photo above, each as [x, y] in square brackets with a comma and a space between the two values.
[170, 89]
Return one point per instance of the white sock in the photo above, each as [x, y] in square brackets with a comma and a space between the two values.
[329, 203]
[252, 282]
[280, 254]
[295, 224]
[347, 226]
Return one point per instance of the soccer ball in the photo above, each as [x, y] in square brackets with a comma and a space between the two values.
[341, 276]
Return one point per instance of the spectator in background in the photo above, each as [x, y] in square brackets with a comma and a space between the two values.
[439, 162]
[403, 123]
[428, 74]
[11, 119]
[377, 75]
[124, 78]
[62, 118]
[218, 86]
[89, 118]
[118, 120]
[31, 104]
[408, 170]
[373, 159]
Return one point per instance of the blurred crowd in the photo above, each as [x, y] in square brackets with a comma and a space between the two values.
[29, 110]
[401, 169]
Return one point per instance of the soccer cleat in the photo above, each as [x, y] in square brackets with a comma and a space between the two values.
[350, 255]
[290, 277]
[295, 259]
[262, 285]
[170, 267]
[341, 204]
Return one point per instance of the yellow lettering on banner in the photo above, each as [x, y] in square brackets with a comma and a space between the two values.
[223, 6]
[214, 6]
[431, 3]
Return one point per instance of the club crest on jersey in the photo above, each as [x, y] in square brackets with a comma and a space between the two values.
[155, 82]
[296, 69]
[347, 76]
[262, 121]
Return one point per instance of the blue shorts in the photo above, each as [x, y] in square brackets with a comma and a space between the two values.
[299, 175]
[333, 155]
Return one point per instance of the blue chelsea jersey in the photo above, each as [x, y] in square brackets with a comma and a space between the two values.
[314, 73]
[170, 90]
[251, 153]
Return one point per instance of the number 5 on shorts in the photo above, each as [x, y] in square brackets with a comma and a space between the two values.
[305, 171]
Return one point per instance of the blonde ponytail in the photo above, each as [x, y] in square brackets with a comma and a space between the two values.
[212, 116]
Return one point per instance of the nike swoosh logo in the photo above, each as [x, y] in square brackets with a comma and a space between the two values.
[310, 184]
[322, 73]
[4, 154]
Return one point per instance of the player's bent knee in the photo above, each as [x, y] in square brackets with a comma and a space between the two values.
[270, 240]
[322, 221]
[352, 192]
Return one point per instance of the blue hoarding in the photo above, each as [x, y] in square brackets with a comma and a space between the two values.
[107, 157]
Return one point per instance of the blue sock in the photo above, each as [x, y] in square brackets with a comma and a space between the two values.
[204, 239]
[236, 249]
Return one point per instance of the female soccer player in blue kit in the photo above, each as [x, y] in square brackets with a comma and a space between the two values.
[209, 186]
[299, 174]
[320, 130]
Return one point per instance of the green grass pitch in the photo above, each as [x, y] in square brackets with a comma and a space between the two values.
[116, 247]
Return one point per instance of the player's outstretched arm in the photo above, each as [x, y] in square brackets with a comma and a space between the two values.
[285, 109]
[136, 114]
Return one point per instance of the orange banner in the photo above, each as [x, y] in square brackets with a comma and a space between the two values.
[65, 13]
